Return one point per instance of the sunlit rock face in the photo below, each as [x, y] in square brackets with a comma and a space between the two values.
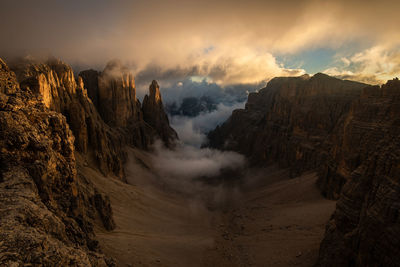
[349, 133]
[155, 116]
[8, 85]
[117, 101]
[46, 212]
[46, 116]
[114, 92]
[55, 83]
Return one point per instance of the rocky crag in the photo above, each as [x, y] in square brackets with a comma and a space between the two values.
[290, 122]
[365, 228]
[104, 126]
[348, 133]
[114, 94]
[45, 219]
[48, 209]
[155, 116]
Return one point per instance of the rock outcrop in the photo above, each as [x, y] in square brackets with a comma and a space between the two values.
[365, 228]
[289, 122]
[349, 133]
[117, 101]
[155, 116]
[91, 82]
[54, 81]
[47, 208]
[45, 219]
[114, 91]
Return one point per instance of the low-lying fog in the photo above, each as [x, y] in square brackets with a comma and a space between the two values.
[203, 174]
[194, 109]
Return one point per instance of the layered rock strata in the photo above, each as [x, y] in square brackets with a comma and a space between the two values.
[45, 219]
[54, 82]
[115, 95]
[155, 116]
[365, 228]
[290, 122]
[47, 208]
[349, 133]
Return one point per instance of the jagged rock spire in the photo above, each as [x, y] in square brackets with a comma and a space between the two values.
[155, 116]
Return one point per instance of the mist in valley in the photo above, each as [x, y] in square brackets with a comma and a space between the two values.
[106, 108]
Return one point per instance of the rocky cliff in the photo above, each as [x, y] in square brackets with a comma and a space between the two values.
[45, 219]
[104, 126]
[155, 116]
[117, 101]
[55, 83]
[48, 209]
[347, 132]
[365, 228]
[115, 94]
[290, 122]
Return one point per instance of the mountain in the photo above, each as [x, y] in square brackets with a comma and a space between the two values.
[115, 98]
[49, 124]
[101, 130]
[346, 131]
[155, 116]
[46, 210]
[192, 106]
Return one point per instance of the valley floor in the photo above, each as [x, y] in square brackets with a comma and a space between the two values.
[271, 221]
[280, 223]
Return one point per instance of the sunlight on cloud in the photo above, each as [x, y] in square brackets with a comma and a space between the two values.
[374, 65]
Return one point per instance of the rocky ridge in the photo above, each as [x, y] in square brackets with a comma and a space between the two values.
[365, 228]
[45, 219]
[48, 208]
[347, 132]
[103, 127]
[290, 122]
[155, 116]
[54, 81]
[115, 94]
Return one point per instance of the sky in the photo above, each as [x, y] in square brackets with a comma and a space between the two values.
[226, 42]
[222, 49]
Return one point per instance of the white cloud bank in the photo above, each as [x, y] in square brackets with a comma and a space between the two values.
[187, 162]
[374, 65]
[192, 131]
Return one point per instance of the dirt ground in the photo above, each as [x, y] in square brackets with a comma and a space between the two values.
[269, 220]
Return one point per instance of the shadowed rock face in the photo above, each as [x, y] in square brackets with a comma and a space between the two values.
[114, 94]
[117, 101]
[155, 116]
[118, 106]
[47, 209]
[289, 122]
[365, 228]
[54, 82]
[45, 219]
[91, 82]
[347, 131]
[103, 127]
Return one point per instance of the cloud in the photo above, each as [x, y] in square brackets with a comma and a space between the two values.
[374, 65]
[187, 162]
[187, 132]
[228, 41]
[177, 84]
[192, 131]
